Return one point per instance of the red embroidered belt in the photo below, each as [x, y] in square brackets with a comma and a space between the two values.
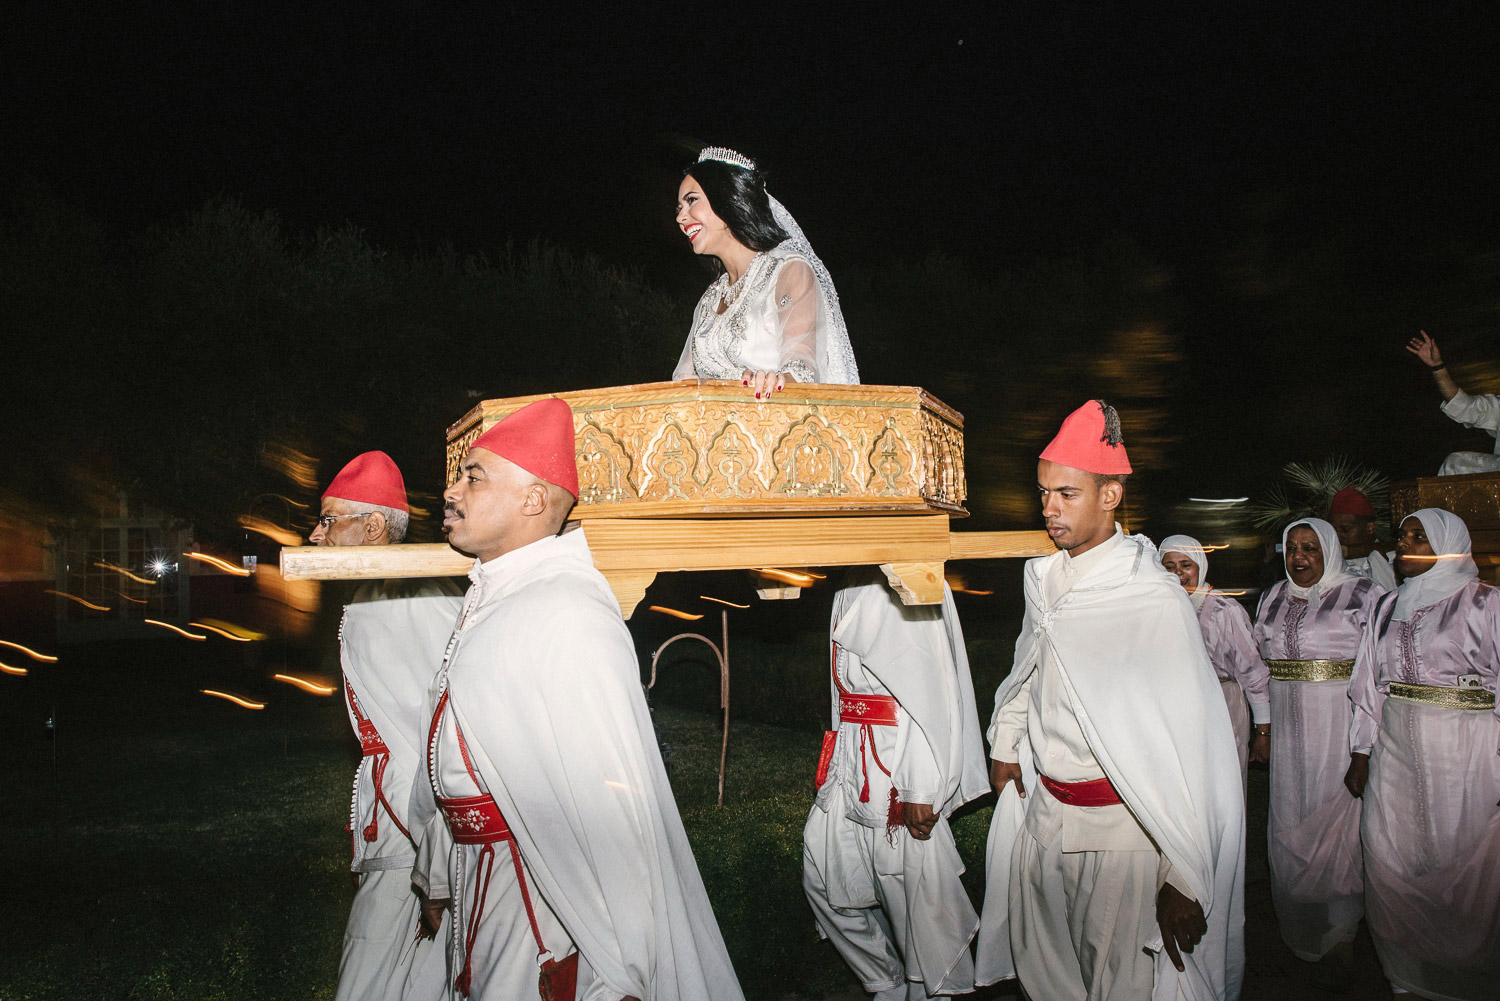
[872, 710]
[369, 739]
[475, 820]
[1097, 792]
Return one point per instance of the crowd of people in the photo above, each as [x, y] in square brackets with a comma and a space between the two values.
[516, 836]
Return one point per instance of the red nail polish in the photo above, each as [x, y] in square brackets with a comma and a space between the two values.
[757, 396]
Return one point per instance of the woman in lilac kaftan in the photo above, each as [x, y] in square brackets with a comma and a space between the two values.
[1308, 628]
[1227, 634]
[1425, 754]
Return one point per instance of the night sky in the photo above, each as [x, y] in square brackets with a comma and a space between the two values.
[1318, 181]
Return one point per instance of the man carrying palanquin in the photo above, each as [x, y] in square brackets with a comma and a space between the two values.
[391, 642]
[1481, 412]
[566, 851]
[1353, 516]
[879, 863]
[1121, 874]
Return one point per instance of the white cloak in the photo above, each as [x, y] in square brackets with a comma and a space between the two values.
[901, 650]
[917, 653]
[1128, 648]
[390, 650]
[546, 688]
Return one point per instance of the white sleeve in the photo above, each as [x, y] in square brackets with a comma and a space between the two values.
[684, 369]
[800, 322]
[429, 831]
[1008, 724]
[916, 776]
[1475, 411]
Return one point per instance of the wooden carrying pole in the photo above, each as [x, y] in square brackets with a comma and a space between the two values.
[630, 552]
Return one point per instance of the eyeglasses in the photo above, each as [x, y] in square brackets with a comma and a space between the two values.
[325, 521]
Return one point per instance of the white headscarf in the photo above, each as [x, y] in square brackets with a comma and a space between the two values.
[1449, 537]
[1193, 550]
[1333, 560]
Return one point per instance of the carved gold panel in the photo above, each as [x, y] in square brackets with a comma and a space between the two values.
[701, 447]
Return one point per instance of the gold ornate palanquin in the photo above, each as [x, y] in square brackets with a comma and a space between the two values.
[698, 475]
[1474, 497]
[705, 448]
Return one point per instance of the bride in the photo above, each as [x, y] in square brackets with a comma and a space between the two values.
[772, 316]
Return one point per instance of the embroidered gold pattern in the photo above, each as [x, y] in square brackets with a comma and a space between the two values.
[1310, 670]
[1448, 698]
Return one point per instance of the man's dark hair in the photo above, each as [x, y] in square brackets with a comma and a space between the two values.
[738, 196]
[1102, 478]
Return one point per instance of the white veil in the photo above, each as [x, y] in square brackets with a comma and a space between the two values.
[835, 353]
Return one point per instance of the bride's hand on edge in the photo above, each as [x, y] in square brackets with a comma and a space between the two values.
[765, 384]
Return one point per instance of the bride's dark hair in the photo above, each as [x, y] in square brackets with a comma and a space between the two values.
[738, 196]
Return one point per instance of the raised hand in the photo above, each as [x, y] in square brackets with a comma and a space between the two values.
[1425, 348]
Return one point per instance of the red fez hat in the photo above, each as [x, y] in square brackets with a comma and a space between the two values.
[539, 439]
[1090, 440]
[1351, 501]
[370, 478]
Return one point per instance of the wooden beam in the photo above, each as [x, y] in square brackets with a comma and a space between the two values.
[746, 543]
[373, 562]
[999, 545]
[630, 552]
[916, 583]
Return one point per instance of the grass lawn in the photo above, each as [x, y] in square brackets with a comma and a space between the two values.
[184, 848]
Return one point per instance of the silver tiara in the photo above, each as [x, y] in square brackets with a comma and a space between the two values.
[726, 155]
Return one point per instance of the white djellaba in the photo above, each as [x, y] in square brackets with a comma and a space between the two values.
[1140, 684]
[389, 651]
[893, 906]
[542, 681]
[783, 313]
[1473, 412]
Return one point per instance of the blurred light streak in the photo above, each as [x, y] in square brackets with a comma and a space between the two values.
[175, 629]
[966, 590]
[44, 658]
[1231, 594]
[19, 672]
[306, 685]
[787, 576]
[281, 536]
[222, 632]
[295, 465]
[1219, 500]
[233, 698]
[138, 601]
[239, 631]
[74, 597]
[221, 564]
[689, 616]
[1431, 559]
[122, 570]
[721, 601]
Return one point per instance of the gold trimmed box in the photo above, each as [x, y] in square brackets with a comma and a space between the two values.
[699, 448]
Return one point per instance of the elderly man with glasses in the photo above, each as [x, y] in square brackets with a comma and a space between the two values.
[391, 640]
